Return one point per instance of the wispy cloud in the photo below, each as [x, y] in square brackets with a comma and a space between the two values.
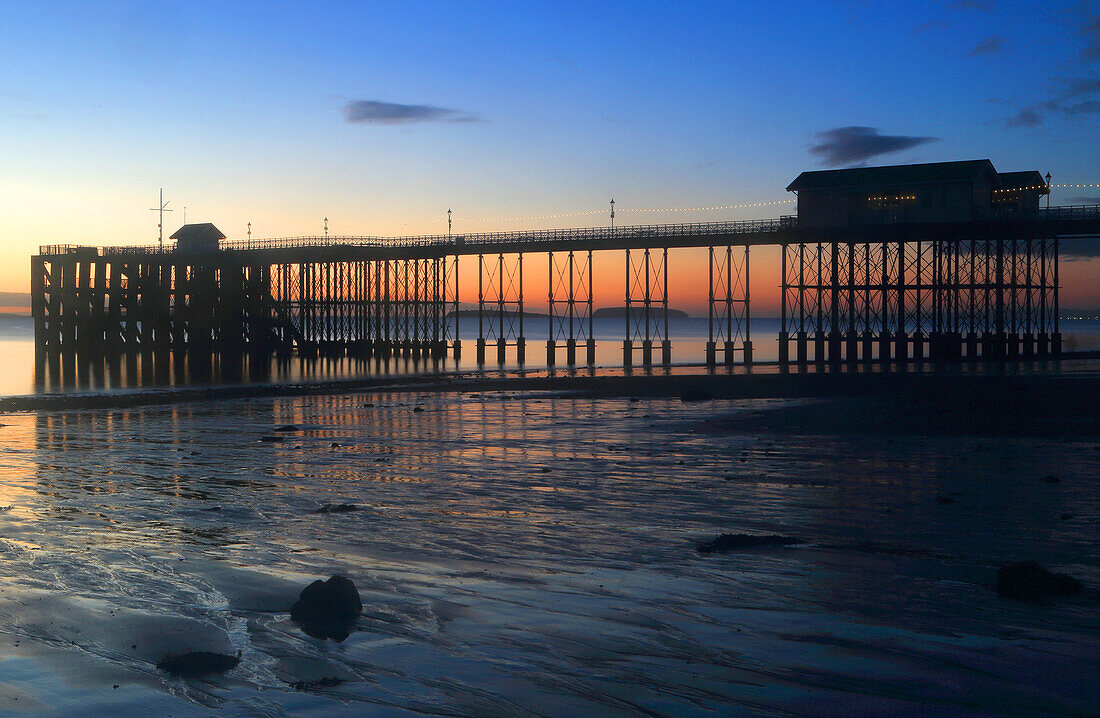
[988, 46]
[1075, 99]
[1027, 117]
[979, 5]
[393, 113]
[848, 145]
[1091, 31]
[932, 25]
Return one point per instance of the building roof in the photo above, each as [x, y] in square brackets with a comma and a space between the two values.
[892, 175]
[204, 231]
[1023, 180]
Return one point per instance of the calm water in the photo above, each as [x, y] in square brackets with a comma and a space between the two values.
[523, 555]
[689, 337]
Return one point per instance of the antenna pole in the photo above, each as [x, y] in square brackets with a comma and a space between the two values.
[160, 210]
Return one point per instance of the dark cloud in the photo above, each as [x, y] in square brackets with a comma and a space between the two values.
[1088, 107]
[1027, 117]
[392, 113]
[988, 46]
[1091, 31]
[1083, 87]
[848, 145]
[1069, 102]
[1083, 200]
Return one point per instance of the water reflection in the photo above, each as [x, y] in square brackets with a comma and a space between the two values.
[69, 372]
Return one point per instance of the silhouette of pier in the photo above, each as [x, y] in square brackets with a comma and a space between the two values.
[884, 284]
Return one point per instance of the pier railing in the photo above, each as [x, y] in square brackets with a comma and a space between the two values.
[535, 237]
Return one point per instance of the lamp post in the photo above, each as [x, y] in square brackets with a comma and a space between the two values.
[1048, 190]
[250, 233]
[612, 214]
[326, 227]
[448, 223]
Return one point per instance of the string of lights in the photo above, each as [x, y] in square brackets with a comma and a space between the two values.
[1043, 186]
[587, 212]
[657, 210]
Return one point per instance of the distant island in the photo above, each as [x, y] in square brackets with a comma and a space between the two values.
[605, 313]
[493, 311]
[620, 312]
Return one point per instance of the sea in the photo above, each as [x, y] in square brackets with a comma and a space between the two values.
[525, 553]
[20, 375]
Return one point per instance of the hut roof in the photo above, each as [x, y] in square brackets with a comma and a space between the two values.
[203, 231]
[1023, 180]
[893, 175]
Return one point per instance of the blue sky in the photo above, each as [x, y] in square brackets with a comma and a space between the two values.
[241, 110]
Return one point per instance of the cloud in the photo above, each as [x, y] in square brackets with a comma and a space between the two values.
[1091, 31]
[932, 25]
[988, 46]
[979, 5]
[392, 113]
[848, 145]
[1069, 102]
[1027, 117]
[1088, 107]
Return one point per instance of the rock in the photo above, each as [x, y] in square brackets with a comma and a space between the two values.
[941, 499]
[1030, 582]
[695, 395]
[730, 542]
[337, 508]
[323, 682]
[287, 427]
[1048, 479]
[198, 663]
[271, 439]
[328, 609]
[634, 400]
[418, 409]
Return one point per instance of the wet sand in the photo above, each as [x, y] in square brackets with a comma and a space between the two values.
[528, 547]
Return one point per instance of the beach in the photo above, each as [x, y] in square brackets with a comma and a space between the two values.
[529, 546]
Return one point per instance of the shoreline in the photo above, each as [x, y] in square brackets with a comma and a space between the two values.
[1065, 380]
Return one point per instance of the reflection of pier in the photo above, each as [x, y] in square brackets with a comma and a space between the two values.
[885, 283]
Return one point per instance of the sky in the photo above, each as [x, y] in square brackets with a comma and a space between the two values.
[381, 116]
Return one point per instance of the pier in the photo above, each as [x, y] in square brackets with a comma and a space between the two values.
[887, 285]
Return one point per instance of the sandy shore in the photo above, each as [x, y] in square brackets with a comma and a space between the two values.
[526, 546]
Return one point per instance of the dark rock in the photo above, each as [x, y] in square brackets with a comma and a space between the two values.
[941, 499]
[328, 609]
[271, 439]
[634, 400]
[695, 395]
[1030, 582]
[198, 663]
[1051, 480]
[337, 508]
[334, 445]
[287, 427]
[418, 409]
[730, 542]
[325, 682]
